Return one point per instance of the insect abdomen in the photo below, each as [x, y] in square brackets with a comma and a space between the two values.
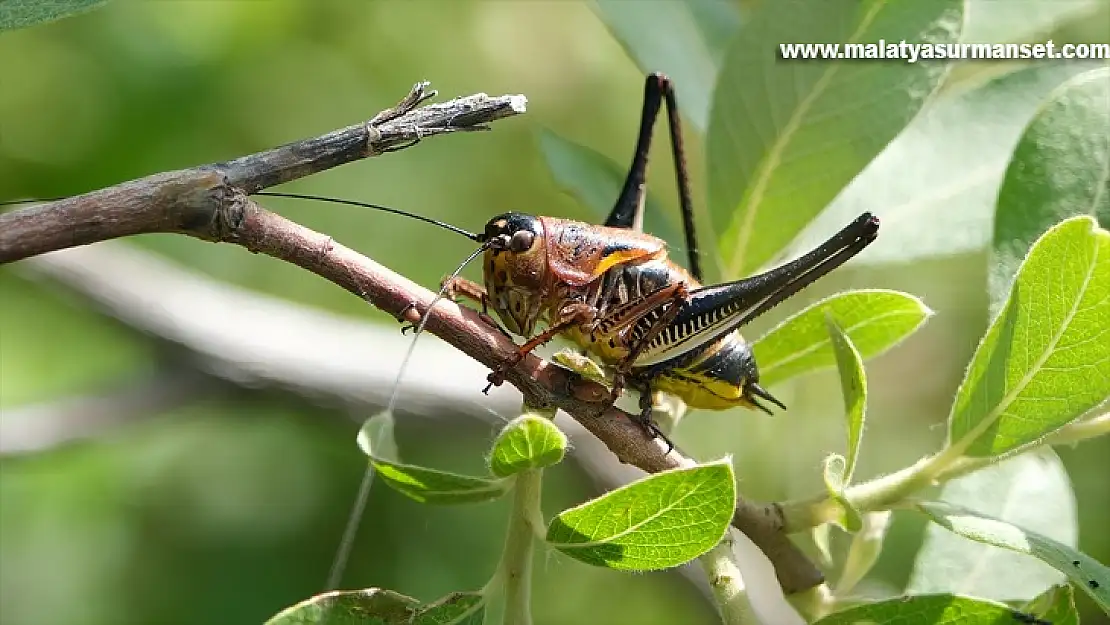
[714, 377]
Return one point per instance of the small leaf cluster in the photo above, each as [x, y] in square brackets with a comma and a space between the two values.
[659, 522]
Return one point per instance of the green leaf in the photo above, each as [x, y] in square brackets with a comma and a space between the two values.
[23, 13]
[439, 487]
[527, 442]
[595, 181]
[931, 609]
[659, 522]
[864, 552]
[822, 534]
[697, 32]
[457, 608]
[957, 151]
[786, 136]
[1060, 169]
[1032, 491]
[1055, 605]
[853, 386]
[372, 606]
[581, 364]
[421, 483]
[1020, 21]
[833, 473]
[1045, 359]
[876, 320]
[1081, 569]
[376, 439]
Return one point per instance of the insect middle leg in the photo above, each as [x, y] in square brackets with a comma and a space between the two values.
[665, 304]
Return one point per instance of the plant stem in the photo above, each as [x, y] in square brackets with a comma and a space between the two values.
[812, 604]
[728, 587]
[1078, 431]
[719, 563]
[513, 579]
[878, 494]
[890, 491]
[1075, 432]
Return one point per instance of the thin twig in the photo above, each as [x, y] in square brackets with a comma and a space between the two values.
[228, 331]
[186, 201]
[727, 583]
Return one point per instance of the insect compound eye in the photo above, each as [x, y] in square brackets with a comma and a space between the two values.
[522, 241]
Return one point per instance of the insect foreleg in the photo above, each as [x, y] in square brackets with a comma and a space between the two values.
[460, 288]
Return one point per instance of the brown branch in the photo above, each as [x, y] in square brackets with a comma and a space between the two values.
[185, 198]
[210, 203]
[542, 383]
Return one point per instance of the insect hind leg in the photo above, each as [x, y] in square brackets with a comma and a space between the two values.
[628, 211]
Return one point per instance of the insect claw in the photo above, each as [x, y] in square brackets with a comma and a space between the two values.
[651, 429]
[496, 378]
[402, 317]
[654, 432]
[659, 433]
[490, 321]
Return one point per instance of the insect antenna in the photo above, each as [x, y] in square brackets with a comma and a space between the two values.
[396, 211]
[335, 576]
[319, 198]
[30, 201]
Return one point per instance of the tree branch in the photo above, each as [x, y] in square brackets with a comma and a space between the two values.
[542, 383]
[323, 356]
[183, 201]
[209, 203]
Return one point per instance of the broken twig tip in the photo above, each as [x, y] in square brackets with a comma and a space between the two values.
[518, 103]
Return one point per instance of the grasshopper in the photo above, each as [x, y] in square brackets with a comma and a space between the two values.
[614, 292]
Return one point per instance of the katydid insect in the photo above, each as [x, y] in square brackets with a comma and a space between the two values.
[613, 291]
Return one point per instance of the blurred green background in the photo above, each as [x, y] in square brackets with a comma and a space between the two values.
[228, 505]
